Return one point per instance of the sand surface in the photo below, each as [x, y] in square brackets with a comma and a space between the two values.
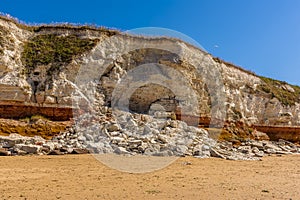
[84, 177]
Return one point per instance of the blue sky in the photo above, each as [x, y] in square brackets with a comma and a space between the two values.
[260, 35]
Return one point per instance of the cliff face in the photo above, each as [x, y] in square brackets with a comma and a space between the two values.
[65, 67]
[261, 100]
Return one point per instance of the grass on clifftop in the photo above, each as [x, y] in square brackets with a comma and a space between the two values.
[276, 89]
[54, 49]
[271, 86]
[66, 26]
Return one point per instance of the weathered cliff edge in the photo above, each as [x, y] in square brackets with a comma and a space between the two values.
[40, 66]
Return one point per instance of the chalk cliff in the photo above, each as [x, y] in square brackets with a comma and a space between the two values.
[54, 70]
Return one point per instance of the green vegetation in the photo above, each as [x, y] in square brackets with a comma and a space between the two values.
[54, 49]
[277, 90]
[13, 20]
[272, 87]
[57, 50]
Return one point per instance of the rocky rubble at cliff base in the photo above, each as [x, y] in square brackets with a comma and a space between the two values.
[73, 144]
[131, 135]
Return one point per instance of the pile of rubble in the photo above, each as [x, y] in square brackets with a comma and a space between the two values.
[15, 144]
[140, 134]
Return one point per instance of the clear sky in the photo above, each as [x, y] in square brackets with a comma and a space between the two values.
[260, 35]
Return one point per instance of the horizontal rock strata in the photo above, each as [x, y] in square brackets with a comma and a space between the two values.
[89, 76]
[153, 138]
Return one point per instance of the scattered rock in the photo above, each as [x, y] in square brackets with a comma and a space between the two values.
[216, 154]
[257, 144]
[113, 127]
[260, 135]
[49, 146]
[31, 149]
[272, 146]
[187, 163]
[162, 153]
[20, 152]
[55, 152]
[4, 152]
[259, 154]
[147, 130]
[121, 150]
[255, 150]
[44, 150]
[270, 151]
[142, 135]
[80, 151]
[205, 148]
[247, 149]
[283, 152]
[66, 149]
[116, 140]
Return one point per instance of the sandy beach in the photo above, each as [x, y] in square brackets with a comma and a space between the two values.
[84, 177]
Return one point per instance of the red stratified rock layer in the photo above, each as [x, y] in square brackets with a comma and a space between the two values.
[290, 133]
[16, 111]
